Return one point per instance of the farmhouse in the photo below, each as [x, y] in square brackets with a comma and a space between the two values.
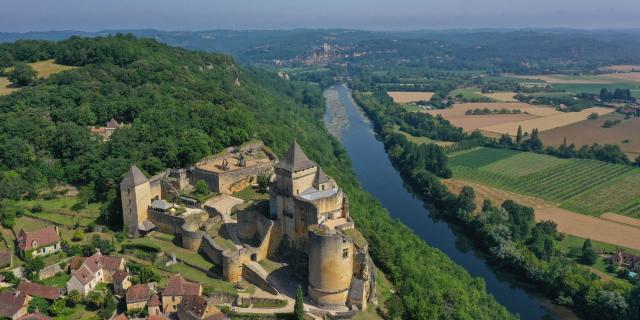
[13, 304]
[121, 282]
[625, 261]
[138, 296]
[105, 133]
[177, 289]
[198, 308]
[92, 271]
[39, 242]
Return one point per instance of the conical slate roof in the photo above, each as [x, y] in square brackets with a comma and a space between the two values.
[134, 177]
[322, 177]
[295, 159]
[113, 124]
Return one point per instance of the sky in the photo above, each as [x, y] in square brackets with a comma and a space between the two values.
[95, 15]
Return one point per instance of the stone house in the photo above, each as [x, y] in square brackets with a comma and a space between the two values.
[92, 271]
[198, 308]
[141, 296]
[121, 282]
[38, 290]
[178, 288]
[39, 242]
[13, 304]
[626, 261]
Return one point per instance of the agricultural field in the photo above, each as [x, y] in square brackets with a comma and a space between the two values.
[46, 68]
[424, 140]
[470, 94]
[456, 114]
[545, 123]
[571, 183]
[402, 97]
[626, 134]
[623, 68]
[631, 76]
[594, 88]
[501, 96]
[59, 210]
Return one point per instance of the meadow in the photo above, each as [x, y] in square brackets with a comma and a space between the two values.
[580, 185]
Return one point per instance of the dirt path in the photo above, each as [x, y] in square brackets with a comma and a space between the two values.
[621, 219]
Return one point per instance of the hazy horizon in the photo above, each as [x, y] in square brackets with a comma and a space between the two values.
[93, 15]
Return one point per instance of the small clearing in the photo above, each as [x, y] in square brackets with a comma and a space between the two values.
[401, 97]
[501, 96]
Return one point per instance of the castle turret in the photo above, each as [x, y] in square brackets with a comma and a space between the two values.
[330, 266]
[296, 173]
[136, 197]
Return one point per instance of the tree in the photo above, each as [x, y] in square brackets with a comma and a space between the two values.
[73, 298]
[589, 255]
[78, 235]
[96, 299]
[299, 305]
[57, 307]
[22, 74]
[487, 205]
[31, 267]
[38, 304]
[519, 135]
[202, 188]
[263, 183]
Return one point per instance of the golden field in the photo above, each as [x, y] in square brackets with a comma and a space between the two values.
[401, 97]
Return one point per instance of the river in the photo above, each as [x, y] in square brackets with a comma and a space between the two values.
[378, 176]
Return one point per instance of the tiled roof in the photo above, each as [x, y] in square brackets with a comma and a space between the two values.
[111, 262]
[84, 275]
[157, 317]
[34, 316]
[113, 124]
[134, 177]
[295, 159]
[98, 130]
[42, 237]
[138, 293]
[76, 262]
[121, 316]
[322, 177]
[195, 305]
[178, 286]
[120, 275]
[154, 301]
[11, 302]
[39, 290]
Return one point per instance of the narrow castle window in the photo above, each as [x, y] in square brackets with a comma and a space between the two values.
[345, 253]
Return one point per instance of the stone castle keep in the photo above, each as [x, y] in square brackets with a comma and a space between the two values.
[307, 213]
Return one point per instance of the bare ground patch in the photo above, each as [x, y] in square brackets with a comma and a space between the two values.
[623, 68]
[621, 219]
[406, 97]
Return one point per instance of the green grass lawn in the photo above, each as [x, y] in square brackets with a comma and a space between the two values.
[167, 244]
[58, 281]
[251, 193]
[78, 312]
[59, 210]
[580, 185]
[197, 276]
[596, 87]
[470, 94]
[572, 244]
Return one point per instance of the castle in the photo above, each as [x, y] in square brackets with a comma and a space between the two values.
[307, 213]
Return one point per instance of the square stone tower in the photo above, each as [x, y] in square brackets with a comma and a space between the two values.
[135, 192]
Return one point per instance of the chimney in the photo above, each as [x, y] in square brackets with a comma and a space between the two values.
[98, 252]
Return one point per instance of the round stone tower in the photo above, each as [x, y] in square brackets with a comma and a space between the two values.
[330, 266]
[191, 236]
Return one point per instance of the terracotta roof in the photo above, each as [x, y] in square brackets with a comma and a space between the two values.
[120, 275]
[34, 316]
[11, 302]
[195, 305]
[154, 301]
[121, 316]
[295, 159]
[45, 236]
[98, 130]
[134, 177]
[76, 263]
[178, 286]
[138, 293]
[84, 275]
[39, 290]
[5, 258]
[111, 262]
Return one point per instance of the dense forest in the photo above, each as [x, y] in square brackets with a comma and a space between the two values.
[508, 232]
[179, 106]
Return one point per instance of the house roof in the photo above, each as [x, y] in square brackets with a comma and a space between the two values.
[138, 293]
[195, 305]
[295, 159]
[120, 275]
[178, 286]
[154, 301]
[42, 237]
[76, 262]
[111, 262]
[121, 316]
[98, 130]
[134, 177]
[5, 258]
[39, 290]
[83, 274]
[34, 316]
[113, 124]
[11, 302]
[157, 317]
[322, 177]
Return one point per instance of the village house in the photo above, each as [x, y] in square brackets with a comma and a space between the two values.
[39, 242]
[13, 304]
[140, 295]
[178, 288]
[121, 282]
[38, 290]
[92, 271]
[625, 261]
[198, 308]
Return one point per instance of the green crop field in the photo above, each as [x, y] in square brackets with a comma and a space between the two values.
[595, 87]
[470, 94]
[585, 186]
